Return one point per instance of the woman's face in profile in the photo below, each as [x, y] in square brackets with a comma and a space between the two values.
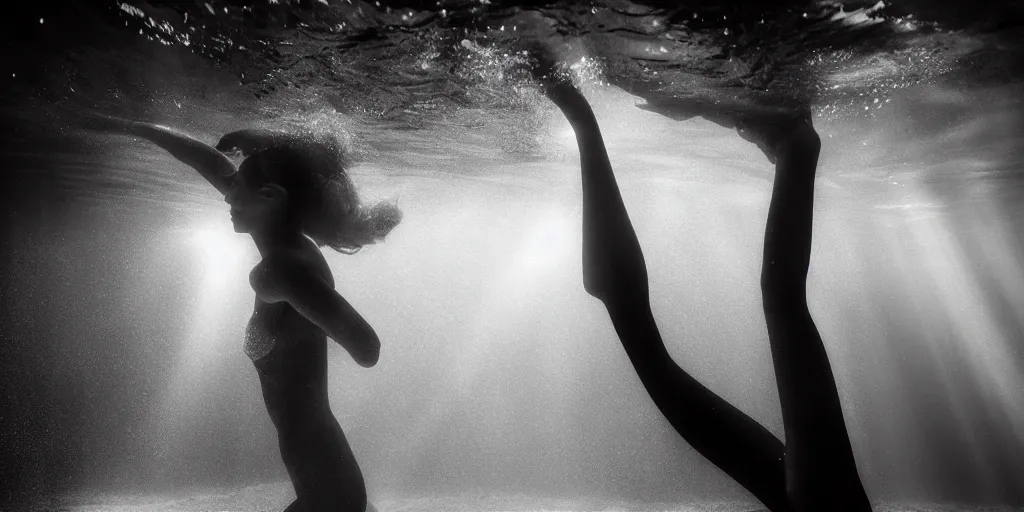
[254, 204]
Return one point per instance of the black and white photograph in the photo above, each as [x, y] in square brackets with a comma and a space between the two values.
[512, 256]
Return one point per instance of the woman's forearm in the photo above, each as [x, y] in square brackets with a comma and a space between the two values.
[213, 165]
[183, 147]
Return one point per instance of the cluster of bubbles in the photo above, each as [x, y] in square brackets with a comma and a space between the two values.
[860, 85]
[159, 31]
[210, 40]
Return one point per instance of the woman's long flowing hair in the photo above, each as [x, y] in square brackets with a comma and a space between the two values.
[313, 169]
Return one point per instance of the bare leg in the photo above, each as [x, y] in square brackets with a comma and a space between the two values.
[615, 272]
[820, 471]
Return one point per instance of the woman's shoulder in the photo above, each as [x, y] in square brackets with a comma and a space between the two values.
[290, 262]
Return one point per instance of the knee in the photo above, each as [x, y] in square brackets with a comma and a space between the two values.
[773, 284]
[621, 285]
[616, 271]
[769, 281]
[593, 287]
[779, 297]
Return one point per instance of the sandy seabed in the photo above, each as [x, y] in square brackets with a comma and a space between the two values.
[275, 497]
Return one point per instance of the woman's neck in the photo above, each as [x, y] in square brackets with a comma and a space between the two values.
[269, 241]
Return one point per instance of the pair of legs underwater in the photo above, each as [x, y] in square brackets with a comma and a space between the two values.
[814, 470]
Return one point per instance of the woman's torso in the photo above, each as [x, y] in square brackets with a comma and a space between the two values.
[288, 351]
[290, 356]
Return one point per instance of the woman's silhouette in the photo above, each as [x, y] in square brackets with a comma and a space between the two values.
[292, 194]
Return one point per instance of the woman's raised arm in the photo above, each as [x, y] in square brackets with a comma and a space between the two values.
[213, 165]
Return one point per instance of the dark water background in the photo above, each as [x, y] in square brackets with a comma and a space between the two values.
[124, 294]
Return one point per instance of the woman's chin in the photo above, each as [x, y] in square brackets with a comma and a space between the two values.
[239, 228]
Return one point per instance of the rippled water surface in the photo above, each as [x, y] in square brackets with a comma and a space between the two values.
[436, 87]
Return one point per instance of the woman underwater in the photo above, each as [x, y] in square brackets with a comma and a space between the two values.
[292, 194]
[814, 471]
